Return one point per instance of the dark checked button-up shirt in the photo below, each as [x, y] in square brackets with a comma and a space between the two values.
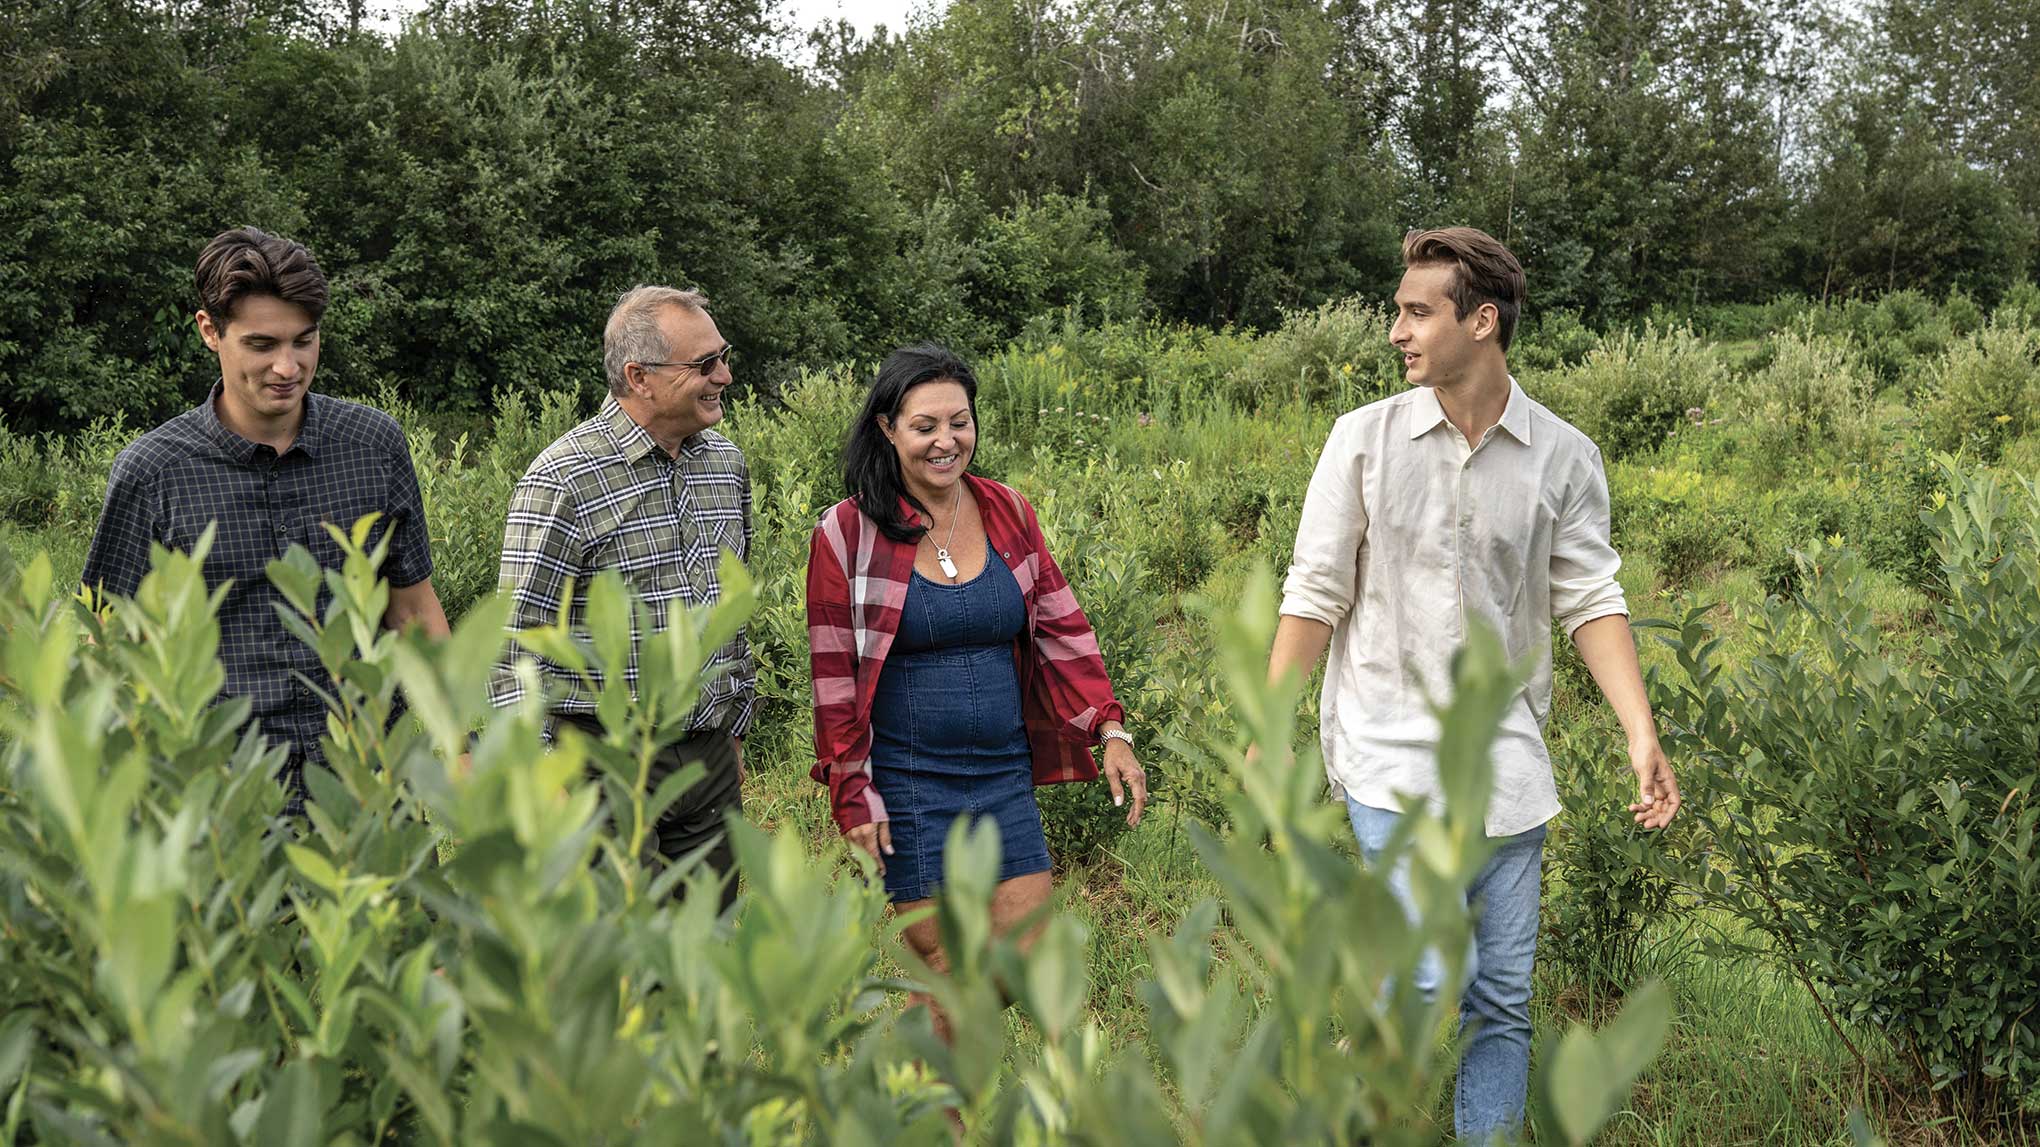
[605, 496]
[348, 461]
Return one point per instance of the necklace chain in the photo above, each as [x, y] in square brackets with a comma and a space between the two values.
[942, 557]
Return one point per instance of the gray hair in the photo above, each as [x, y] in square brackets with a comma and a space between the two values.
[632, 333]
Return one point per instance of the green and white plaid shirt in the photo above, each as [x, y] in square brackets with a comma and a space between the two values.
[604, 496]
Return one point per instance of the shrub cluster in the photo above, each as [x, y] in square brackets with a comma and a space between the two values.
[1869, 808]
[462, 944]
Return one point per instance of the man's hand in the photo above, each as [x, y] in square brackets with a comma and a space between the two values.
[1122, 772]
[741, 774]
[874, 837]
[1657, 791]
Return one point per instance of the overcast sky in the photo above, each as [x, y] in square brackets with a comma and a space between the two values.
[864, 14]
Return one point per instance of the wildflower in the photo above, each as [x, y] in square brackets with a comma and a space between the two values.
[1044, 412]
[1145, 419]
[1058, 410]
[1696, 415]
[1078, 441]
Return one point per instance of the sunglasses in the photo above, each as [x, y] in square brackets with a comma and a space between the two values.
[706, 363]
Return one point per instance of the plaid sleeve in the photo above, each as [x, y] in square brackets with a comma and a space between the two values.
[541, 551]
[842, 743]
[410, 557]
[1066, 651]
[119, 556]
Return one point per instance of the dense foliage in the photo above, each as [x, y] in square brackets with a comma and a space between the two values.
[481, 181]
[1168, 462]
[462, 947]
[1871, 810]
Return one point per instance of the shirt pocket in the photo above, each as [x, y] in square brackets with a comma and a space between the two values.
[638, 538]
[728, 536]
[364, 491]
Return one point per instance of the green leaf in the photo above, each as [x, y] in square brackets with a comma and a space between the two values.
[315, 868]
[293, 1110]
[1590, 1077]
[17, 1039]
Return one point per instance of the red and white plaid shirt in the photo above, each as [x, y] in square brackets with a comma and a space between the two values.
[856, 585]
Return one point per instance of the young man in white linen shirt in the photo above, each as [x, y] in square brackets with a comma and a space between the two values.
[1462, 498]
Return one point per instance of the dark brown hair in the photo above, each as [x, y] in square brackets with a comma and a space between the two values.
[245, 262]
[1486, 272]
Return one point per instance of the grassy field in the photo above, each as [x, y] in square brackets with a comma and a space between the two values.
[1168, 466]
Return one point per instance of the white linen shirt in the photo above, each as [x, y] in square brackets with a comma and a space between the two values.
[1406, 533]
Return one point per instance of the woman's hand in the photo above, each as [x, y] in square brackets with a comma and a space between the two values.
[874, 837]
[1123, 772]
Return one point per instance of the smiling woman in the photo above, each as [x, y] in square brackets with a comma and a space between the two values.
[953, 669]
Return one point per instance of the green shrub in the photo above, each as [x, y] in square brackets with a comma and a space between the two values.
[1870, 810]
[2020, 306]
[1787, 519]
[1336, 355]
[1963, 315]
[1814, 396]
[28, 483]
[1889, 526]
[1609, 891]
[1110, 580]
[1632, 390]
[1985, 392]
[1559, 339]
[1687, 522]
[180, 967]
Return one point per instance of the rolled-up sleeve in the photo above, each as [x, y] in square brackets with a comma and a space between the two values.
[541, 544]
[1583, 559]
[1324, 570]
[410, 557]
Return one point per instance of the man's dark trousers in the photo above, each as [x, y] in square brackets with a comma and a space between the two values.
[697, 818]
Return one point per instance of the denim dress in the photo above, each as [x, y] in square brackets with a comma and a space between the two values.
[947, 734]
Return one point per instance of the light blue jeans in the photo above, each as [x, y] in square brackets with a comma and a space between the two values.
[1494, 1062]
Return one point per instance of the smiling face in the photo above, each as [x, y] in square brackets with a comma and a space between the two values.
[1439, 347]
[935, 434]
[269, 350]
[680, 401]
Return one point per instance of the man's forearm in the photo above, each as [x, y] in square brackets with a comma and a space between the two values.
[419, 603]
[1299, 645]
[1609, 650]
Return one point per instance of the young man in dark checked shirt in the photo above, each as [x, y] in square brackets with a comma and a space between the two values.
[269, 464]
[646, 488]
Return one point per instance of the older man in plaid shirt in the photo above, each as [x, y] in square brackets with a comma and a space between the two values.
[648, 489]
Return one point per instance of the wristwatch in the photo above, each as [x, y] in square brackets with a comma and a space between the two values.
[1117, 735]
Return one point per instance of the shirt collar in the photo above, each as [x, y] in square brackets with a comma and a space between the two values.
[242, 450]
[631, 440]
[1426, 413]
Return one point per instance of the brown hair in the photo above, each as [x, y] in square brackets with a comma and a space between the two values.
[246, 261]
[1487, 272]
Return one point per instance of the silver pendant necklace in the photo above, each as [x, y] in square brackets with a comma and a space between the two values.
[942, 552]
